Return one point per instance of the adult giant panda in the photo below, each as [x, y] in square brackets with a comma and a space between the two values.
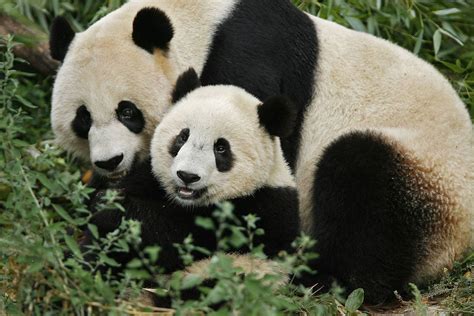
[383, 149]
[218, 143]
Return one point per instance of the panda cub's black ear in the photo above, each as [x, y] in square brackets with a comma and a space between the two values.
[61, 36]
[278, 116]
[152, 29]
[187, 82]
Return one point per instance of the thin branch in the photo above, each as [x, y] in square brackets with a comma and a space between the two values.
[37, 54]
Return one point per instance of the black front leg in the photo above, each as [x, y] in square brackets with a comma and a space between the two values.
[277, 209]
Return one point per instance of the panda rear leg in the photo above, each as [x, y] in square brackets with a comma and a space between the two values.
[246, 263]
[373, 220]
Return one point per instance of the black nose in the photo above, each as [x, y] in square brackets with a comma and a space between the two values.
[188, 177]
[110, 164]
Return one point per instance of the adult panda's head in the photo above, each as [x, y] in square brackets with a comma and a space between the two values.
[113, 86]
[220, 142]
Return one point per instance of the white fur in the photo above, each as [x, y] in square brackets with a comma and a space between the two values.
[211, 113]
[366, 83]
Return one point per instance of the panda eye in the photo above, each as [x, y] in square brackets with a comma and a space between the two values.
[223, 155]
[126, 114]
[221, 146]
[130, 116]
[178, 142]
[82, 122]
[220, 149]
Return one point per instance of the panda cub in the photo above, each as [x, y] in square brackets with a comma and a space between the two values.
[217, 143]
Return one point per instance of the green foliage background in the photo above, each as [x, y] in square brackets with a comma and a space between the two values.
[41, 195]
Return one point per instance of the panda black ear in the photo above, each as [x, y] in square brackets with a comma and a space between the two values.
[152, 29]
[61, 36]
[278, 116]
[187, 82]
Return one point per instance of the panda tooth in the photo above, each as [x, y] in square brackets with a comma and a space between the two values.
[186, 191]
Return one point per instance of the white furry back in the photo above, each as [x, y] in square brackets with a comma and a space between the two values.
[366, 83]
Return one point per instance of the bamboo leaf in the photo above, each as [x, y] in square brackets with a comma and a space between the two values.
[419, 42]
[437, 41]
[447, 11]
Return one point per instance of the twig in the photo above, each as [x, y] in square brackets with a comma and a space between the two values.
[37, 54]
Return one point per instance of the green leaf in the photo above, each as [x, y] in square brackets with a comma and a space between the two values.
[60, 210]
[253, 286]
[138, 274]
[237, 238]
[94, 231]
[437, 41]
[259, 232]
[20, 143]
[175, 280]
[109, 261]
[135, 264]
[73, 246]
[355, 300]
[25, 102]
[46, 182]
[419, 42]
[447, 11]
[356, 24]
[153, 252]
[205, 223]
[449, 34]
[371, 25]
[35, 267]
[454, 67]
[191, 281]
[216, 295]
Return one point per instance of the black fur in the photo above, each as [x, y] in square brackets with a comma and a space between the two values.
[82, 122]
[267, 47]
[178, 142]
[364, 206]
[165, 223]
[152, 29]
[223, 153]
[61, 36]
[187, 82]
[278, 116]
[130, 116]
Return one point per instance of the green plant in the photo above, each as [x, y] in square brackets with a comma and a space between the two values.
[455, 290]
[42, 197]
[438, 31]
[420, 308]
[41, 211]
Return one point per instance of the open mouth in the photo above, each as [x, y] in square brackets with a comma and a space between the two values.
[116, 175]
[186, 193]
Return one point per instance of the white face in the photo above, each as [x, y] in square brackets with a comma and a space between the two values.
[210, 147]
[107, 102]
[104, 67]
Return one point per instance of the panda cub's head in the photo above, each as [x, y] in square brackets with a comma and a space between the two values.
[219, 143]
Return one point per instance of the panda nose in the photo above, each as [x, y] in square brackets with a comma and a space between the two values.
[188, 178]
[110, 164]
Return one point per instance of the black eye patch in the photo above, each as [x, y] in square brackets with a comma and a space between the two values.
[82, 122]
[130, 116]
[178, 142]
[223, 154]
